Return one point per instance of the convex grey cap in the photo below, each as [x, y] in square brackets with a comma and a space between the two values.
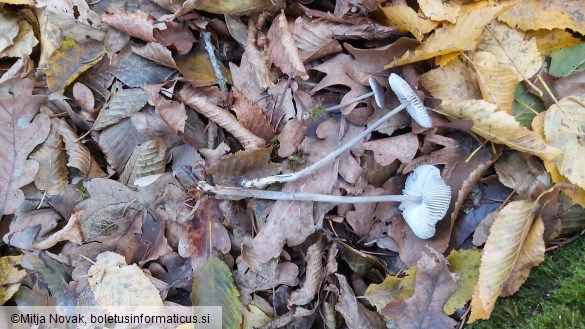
[406, 95]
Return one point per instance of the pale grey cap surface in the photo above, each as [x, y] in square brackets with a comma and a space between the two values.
[378, 91]
[425, 182]
[405, 94]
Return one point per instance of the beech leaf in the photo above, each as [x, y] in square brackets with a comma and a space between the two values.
[123, 104]
[499, 127]
[148, 159]
[213, 285]
[497, 83]
[283, 49]
[52, 175]
[546, 14]
[137, 24]
[452, 83]
[20, 132]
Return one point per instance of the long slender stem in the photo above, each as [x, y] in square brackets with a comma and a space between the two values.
[237, 193]
[261, 182]
[359, 98]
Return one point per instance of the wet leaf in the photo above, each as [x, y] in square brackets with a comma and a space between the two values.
[213, 285]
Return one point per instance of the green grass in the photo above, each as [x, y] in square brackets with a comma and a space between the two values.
[552, 297]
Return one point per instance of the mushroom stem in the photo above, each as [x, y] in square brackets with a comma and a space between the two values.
[237, 193]
[264, 181]
[351, 101]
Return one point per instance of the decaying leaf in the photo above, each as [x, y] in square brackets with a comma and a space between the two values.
[213, 285]
[244, 164]
[452, 83]
[137, 24]
[546, 14]
[464, 263]
[563, 129]
[392, 289]
[406, 19]
[355, 314]
[79, 155]
[499, 127]
[252, 117]
[114, 283]
[156, 53]
[148, 159]
[313, 276]
[71, 232]
[425, 308]
[402, 147]
[21, 129]
[123, 103]
[283, 50]
[23, 43]
[506, 244]
[10, 277]
[52, 175]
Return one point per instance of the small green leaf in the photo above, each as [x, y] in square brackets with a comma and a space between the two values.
[567, 60]
[392, 289]
[526, 105]
[466, 264]
[213, 285]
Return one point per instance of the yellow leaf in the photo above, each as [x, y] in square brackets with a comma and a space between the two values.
[531, 254]
[440, 11]
[549, 41]
[452, 83]
[463, 35]
[499, 127]
[500, 255]
[70, 60]
[563, 128]
[546, 14]
[464, 263]
[391, 289]
[10, 277]
[512, 49]
[406, 19]
[497, 83]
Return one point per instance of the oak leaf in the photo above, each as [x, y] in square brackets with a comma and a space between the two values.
[21, 132]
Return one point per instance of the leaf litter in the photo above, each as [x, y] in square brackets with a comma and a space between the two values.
[108, 141]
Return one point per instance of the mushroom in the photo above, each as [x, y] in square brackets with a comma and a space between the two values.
[434, 196]
[408, 100]
[424, 200]
[377, 92]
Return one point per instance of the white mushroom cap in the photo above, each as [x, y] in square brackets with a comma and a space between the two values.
[405, 94]
[378, 91]
[425, 182]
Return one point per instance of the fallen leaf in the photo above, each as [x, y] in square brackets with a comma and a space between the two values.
[110, 141]
[135, 71]
[25, 129]
[213, 285]
[512, 49]
[464, 263]
[149, 158]
[549, 41]
[115, 283]
[176, 36]
[563, 124]
[252, 116]
[122, 105]
[392, 289]
[386, 150]
[137, 24]
[197, 67]
[401, 15]
[314, 276]
[438, 10]
[232, 7]
[567, 61]
[452, 38]
[505, 244]
[283, 50]
[10, 277]
[256, 59]
[150, 243]
[156, 53]
[70, 60]
[79, 155]
[526, 105]
[9, 29]
[23, 43]
[434, 285]
[497, 83]
[52, 175]
[356, 315]
[546, 14]
[231, 168]
[452, 83]
[499, 127]
[71, 232]
[526, 175]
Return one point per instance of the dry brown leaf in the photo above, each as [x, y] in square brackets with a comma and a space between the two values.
[9, 29]
[231, 168]
[156, 53]
[21, 129]
[497, 83]
[526, 175]
[546, 14]
[501, 254]
[115, 284]
[451, 83]
[150, 242]
[252, 116]
[148, 159]
[84, 98]
[499, 127]
[313, 276]
[23, 43]
[434, 284]
[20, 69]
[52, 176]
[79, 156]
[386, 150]
[220, 116]
[283, 50]
[123, 104]
[563, 128]
[401, 15]
[137, 24]
[450, 38]
[512, 49]
[71, 232]
[176, 36]
[356, 315]
[172, 112]
[314, 39]
[256, 58]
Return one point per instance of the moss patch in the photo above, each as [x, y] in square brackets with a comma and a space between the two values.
[552, 297]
